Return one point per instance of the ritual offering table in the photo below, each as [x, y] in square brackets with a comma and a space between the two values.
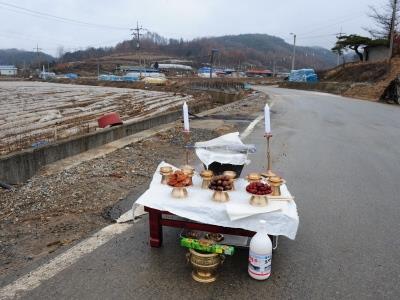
[198, 211]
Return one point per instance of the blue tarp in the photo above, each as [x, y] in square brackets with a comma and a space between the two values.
[118, 78]
[204, 70]
[303, 75]
[130, 77]
[71, 76]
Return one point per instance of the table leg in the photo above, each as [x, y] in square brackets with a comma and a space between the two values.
[156, 233]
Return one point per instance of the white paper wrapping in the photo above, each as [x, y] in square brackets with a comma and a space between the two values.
[281, 216]
[207, 156]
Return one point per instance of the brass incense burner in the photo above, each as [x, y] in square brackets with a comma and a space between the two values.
[276, 182]
[204, 265]
[165, 172]
[207, 176]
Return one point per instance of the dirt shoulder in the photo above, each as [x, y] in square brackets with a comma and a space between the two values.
[50, 212]
[361, 80]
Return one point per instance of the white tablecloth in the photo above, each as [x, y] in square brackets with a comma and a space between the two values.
[281, 216]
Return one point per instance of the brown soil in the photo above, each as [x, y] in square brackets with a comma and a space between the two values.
[357, 72]
[360, 80]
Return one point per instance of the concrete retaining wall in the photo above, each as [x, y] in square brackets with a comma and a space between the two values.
[19, 167]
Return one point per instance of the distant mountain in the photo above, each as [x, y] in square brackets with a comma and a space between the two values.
[258, 50]
[19, 57]
[244, 50]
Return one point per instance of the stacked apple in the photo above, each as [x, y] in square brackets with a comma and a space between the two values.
[259, 188]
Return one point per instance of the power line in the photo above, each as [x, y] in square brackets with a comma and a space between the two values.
[343, 20]
[31, 12]
[317, 36]
[51, 41]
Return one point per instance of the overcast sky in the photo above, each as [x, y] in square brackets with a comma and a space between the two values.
[314, 21]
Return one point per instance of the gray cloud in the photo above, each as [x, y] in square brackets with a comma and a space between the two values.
[314, 21]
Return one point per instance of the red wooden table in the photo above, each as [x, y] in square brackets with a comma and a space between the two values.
[156, 222]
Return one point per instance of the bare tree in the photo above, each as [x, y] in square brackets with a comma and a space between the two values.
[382, 16]
[60, 51]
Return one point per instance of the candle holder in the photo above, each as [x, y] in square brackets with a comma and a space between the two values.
[269, 163]
[186, 137]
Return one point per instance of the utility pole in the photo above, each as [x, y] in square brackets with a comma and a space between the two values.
[136, 35]
[392, 29]
[37, 49]
[294, 49]
[213, 51]
[274, 68]
[338, 53]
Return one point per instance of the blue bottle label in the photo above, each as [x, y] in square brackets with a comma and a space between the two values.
[260, 265]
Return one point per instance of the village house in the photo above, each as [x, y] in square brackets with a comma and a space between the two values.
[8, 70]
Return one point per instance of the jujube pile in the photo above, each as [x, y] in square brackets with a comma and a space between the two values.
[259, 188]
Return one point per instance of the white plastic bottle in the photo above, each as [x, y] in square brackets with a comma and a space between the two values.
[260, 255]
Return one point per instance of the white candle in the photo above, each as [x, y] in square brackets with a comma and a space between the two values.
[267, 119]
[185, 117]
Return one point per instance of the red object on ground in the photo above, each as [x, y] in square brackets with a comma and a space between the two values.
[111, 119]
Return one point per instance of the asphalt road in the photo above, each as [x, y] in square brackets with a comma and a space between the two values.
[341, 160]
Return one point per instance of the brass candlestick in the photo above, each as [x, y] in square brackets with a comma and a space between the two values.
[186, 136]
[269, 172]
[269, 166]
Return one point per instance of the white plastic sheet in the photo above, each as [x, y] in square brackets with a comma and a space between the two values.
[281, 216]
[207, 156]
